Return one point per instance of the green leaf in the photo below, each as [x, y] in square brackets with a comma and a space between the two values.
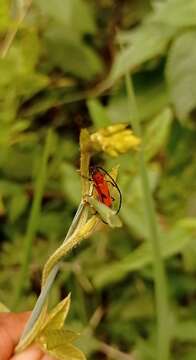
[73, 14]
[107, 215]
[181, 77]
[56, 338]
[82, 61]
[32, 84]
[20, 60]
[139, 307]
[146, 42]
[185, 331]
[4, 15]
[178, 13]
[157, 133]
[133, 212]
[29, 58]
[172, 243]
[150, 40]
[98, 114]
[152, 97]
[17, 205]
[67, 352]
[13, 132]
[18, 77]
[57, 316]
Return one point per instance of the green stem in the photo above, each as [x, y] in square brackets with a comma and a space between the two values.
[33, 220]
[79, 220]
[161, 293]
[50, 280]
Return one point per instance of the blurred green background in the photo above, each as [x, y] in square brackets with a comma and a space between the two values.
[64, 54]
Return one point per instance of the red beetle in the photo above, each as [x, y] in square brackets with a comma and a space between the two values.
[99, 178]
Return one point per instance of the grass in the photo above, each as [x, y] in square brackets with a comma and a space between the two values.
[160, 279]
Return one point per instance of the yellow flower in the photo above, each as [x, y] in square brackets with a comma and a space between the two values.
[115, 140]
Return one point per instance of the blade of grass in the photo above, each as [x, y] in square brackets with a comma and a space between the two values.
[21, 13]
[161, 293]
[33, 220]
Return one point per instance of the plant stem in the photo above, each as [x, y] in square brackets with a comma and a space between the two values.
[33, 219]
[79, 220]
[50, 280]
[161, 293]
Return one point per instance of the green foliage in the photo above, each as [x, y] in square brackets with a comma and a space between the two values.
[4, 15]
[172, 243]
[64, 53]
[73, 14]
[145, 43]
[157, 133]
[58, 45]
[55, 340]
[180, 71]
[176, 13]
[98, 114]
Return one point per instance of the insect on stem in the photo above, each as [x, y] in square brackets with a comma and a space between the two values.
[100, 183]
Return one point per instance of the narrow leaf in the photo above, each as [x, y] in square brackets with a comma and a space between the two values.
[107, 215]
[67, 352]
[57, 316]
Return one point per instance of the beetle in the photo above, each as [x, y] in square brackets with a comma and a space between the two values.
[99, 178]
